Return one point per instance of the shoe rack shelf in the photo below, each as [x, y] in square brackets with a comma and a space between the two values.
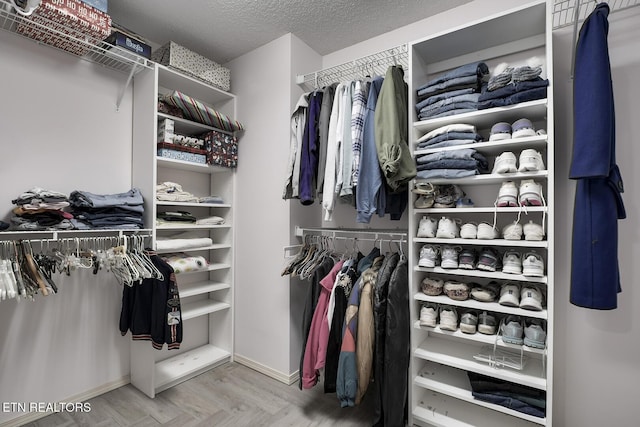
[206, 295]
[440, 392]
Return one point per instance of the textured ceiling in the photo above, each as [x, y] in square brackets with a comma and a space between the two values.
[223, 30]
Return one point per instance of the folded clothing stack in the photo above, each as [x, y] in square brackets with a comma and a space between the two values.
[451, 164]
[512, 85]
[527, 400]
[40, 209]
[182, 244]
[120, 211]
[173, 192]
[449, 135]
[454, 92]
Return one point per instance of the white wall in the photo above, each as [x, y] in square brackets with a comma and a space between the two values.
[263, 82]
[60, 131]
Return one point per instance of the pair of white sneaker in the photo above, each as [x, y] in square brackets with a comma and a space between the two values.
[531, 264]
[529, 160]
[445, 228]
[484, 230]
[514, 231]
[529, 194]
[529, 297]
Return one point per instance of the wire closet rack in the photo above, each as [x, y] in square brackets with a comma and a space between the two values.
[564, 11]
[370, 65]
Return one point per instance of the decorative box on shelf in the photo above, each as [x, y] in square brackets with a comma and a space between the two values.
[180, 152]
[66, 21]
[175, 56]
[222, 149]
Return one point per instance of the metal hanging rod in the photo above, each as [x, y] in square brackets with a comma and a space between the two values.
[570, 12]
[370, 65]
[44, 235]
[340, 232]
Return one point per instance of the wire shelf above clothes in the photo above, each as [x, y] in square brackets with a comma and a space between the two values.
[370, 65]
[564, 11]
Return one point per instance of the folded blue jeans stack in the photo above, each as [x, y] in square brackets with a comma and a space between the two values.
[513, 396]
[454, 92]
[513, 85]
[451, 164]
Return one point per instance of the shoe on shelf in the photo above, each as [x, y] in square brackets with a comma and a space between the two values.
[486, 231]
[512, 231]
[424, 187]
[457, 291]
[534, 333]
[464, 202]
[505, 163]
[448, 318]
[450, 257]
[512, 330]
[427, 227]
[510, 295]
[533, 231]
[487, 323]
[500, 131]
[469, 230]
[530, 193]
[522, 128]
[489, 259]
[530, 160]
[467, 259]
[531, 298]
[423, 202]
[431, 286]
[507, 195]
[447, 195]
[429, 314]
[429, 256]
[447, 229]
[512, 262]
[485, 293]
[532, 265]
[469, 322]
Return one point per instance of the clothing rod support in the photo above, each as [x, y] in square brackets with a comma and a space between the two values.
[300, 231]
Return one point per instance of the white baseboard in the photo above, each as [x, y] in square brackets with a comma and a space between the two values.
[270, 372]
[82, 397]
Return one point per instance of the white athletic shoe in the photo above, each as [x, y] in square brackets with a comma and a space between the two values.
[530, 160]
[427, 227]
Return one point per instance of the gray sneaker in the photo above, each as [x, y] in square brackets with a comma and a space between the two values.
[534, 334]
[512, 330]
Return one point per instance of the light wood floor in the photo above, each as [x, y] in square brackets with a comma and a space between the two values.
[229, 395]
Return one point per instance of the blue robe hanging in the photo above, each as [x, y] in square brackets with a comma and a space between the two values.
[595, 275]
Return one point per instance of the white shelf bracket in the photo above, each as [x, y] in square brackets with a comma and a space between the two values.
[126, 85]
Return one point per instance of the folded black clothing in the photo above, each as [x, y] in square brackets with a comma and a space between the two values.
[180, 216]
[4, 225]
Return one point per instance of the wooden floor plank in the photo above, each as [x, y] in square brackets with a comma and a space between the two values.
[230, 395]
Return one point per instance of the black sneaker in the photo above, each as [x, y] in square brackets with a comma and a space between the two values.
[489, 260]
[467, 259]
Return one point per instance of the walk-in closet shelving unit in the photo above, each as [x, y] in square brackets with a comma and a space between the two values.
[440, 390]
[206, 296]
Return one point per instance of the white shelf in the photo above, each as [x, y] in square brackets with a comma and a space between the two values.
[455, 383]
[490, 178]
[193, 204]
[204, 248]
[186, 365]
[200, 288]
[497, 275]
[481, 306]
[189, 166]
[482, 209]
[478, 337]
[201, 308]
[459, 355]
[484, 242]
[484, 119]
[493, 147]
[191, 227]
